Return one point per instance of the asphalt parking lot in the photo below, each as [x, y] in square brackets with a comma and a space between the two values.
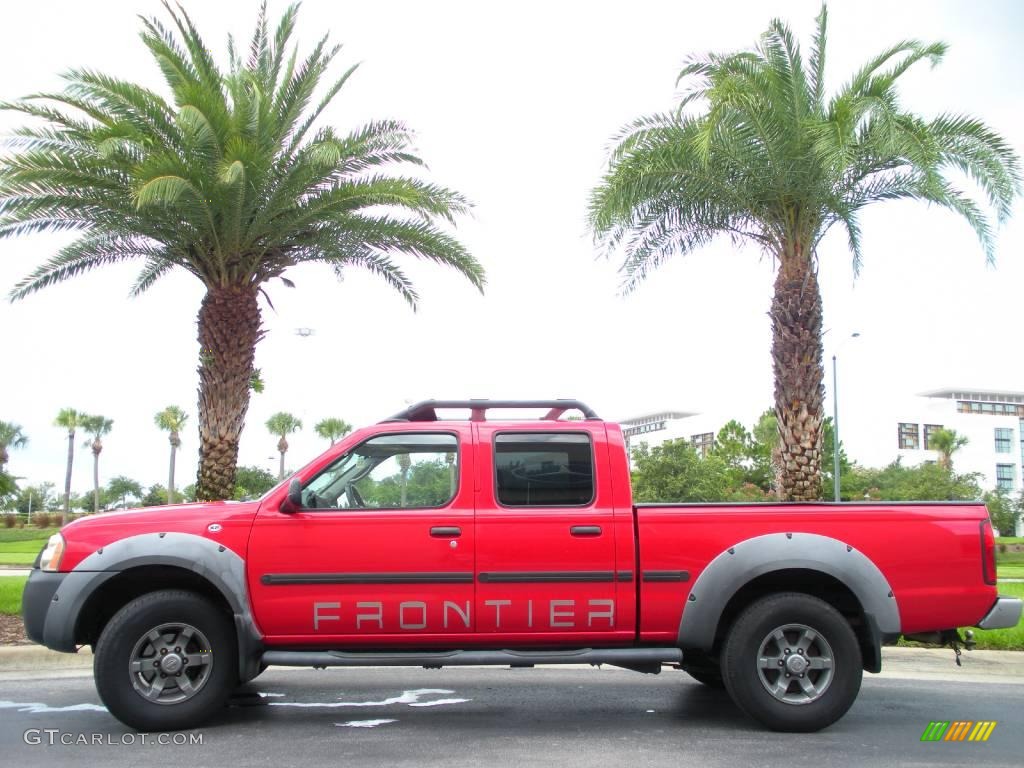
[504, 717]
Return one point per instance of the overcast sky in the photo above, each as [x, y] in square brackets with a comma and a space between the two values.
[514, 105]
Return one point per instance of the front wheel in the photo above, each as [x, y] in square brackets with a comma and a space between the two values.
[792, 662]
[166, 661]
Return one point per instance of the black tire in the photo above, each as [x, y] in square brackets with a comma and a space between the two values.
[812, 666]
[147, 633]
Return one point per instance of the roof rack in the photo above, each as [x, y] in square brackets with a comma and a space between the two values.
[427, 410]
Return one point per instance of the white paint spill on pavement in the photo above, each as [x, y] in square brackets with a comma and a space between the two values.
[438, 702]
[37, 707]
[364, 723]
[411, 698]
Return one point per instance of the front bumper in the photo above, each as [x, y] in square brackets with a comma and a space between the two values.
[39, 595]
[1003, 615]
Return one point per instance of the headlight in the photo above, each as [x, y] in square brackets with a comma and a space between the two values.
[50, 559]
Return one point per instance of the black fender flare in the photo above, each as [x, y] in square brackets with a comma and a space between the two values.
[210, 560]
[742, 563]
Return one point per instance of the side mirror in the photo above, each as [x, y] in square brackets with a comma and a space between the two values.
[293, 501]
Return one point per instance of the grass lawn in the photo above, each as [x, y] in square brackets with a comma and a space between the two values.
[1010, 540]
[21, 552]
[25, 534]
[1003, 639]
[1013, 571]
[11, 588]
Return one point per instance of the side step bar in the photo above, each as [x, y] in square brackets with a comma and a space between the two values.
[640, 659]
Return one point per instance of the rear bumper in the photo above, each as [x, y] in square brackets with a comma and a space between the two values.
[1003, 615]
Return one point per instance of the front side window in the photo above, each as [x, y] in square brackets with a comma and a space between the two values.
[394, 471]
[544, 470]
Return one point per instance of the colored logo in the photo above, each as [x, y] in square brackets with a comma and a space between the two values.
[958, 730]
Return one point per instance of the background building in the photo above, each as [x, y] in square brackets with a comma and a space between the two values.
[879, 432]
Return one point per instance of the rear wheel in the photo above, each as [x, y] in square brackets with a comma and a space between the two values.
[166, 661]
[792, 662]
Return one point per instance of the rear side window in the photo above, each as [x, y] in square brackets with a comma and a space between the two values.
[551, 469]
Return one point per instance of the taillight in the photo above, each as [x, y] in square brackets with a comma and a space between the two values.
[988, 553]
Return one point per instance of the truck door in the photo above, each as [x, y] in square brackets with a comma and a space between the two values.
[380, 551]
[545, 538]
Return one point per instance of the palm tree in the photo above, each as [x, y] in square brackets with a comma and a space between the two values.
[332, 429]
[97, 427]
[946, 442]
[404, 465]
[71, 420]
[757, 152]
[172, 419]
[11, 436]
[283, 424]
[229, 180]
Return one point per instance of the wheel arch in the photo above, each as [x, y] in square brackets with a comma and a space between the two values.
[115, 574]
[810, 563]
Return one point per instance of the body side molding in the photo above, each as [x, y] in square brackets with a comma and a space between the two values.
[749, 559]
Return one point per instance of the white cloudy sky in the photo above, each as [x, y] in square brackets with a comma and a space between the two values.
[514, 104]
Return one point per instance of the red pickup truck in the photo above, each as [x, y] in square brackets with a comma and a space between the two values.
[432, 541]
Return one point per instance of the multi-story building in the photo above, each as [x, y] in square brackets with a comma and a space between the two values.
[992, 422]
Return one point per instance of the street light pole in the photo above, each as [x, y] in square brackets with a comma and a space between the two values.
[835, 419]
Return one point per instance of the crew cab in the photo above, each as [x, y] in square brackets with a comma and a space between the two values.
[462, 533]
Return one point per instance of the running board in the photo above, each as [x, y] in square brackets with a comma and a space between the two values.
[638, 659]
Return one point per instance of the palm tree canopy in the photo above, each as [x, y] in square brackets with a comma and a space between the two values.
[282, 424]
[11, 435]
[332, 428]
[69, 419]
[946, 442]
[97, 426]
[757, 151]
[171, 419]
[227, 177]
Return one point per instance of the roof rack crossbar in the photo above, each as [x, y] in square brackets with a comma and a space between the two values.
[427, 409]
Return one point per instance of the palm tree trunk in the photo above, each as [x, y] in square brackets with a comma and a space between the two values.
[67, 479]
[95, 480]
[229, 329]
[799, 374]
[170, 474]
[280, 472]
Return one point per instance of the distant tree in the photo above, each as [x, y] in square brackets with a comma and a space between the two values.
[947, 442]
[156, 496]
[8, 489]
[675, 472]
[96, 427]
[171, 419]
[11, 436]
[332, 429]
[123, 488]
[34, 498]
[250, 483]
[71, 420]
[896, 482]
[1004, 511]
[283, 424]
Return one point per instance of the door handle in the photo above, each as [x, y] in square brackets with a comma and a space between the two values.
[585, 530]
[445, 531]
